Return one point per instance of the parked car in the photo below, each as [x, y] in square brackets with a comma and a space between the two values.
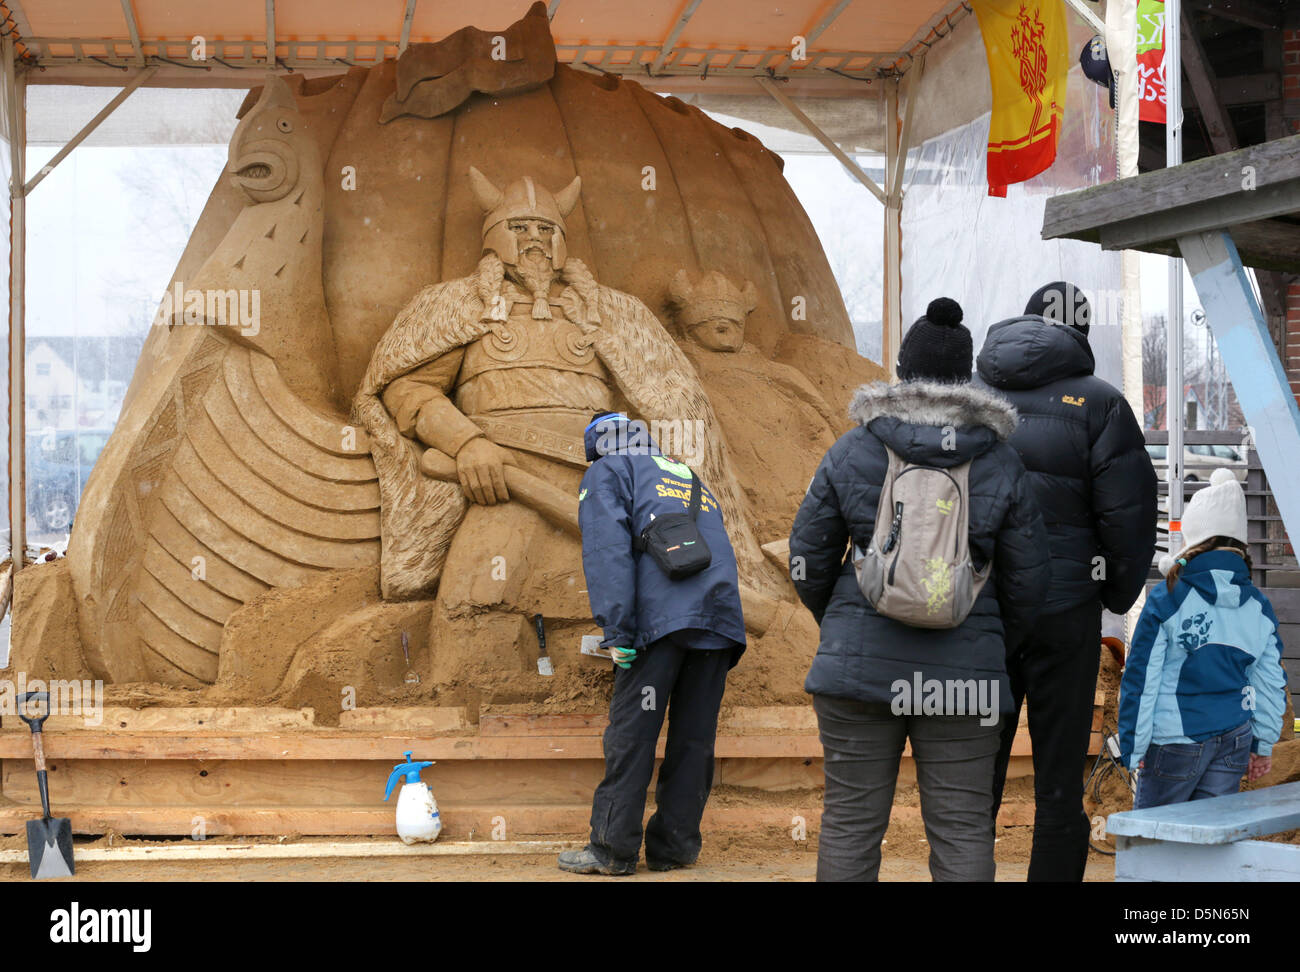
[1199, 461]
[58, 464]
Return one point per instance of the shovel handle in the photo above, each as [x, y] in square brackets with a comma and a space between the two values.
[35, 722]
[38, 744]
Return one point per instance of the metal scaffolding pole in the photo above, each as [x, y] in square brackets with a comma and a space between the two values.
[897, 141]
[1175, 416]
[15, 98]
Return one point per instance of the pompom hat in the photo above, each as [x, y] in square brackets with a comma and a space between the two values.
[937, 347]
[1219, 510]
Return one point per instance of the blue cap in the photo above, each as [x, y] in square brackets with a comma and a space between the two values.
[408, 769]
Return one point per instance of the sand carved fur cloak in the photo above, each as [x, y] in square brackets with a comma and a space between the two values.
[419, 516]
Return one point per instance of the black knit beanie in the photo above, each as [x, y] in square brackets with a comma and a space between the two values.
[1060, 302]
[937, 347]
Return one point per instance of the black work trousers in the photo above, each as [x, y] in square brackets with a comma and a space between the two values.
[687, 684]
[1054, 671]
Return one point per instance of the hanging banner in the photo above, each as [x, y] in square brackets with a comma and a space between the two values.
[1026, 43]
[1151, 60]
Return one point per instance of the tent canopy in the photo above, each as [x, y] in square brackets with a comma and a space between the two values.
[93, 41]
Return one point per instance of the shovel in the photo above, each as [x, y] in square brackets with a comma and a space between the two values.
[49, 840]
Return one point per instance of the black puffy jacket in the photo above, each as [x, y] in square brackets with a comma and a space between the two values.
[1086, 458]
[862, 654]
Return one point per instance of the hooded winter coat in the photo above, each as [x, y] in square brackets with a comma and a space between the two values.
[1087, 461]
[1201, 653]
[863, 654]
[632, 599]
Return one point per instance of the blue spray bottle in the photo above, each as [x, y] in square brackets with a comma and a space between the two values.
[417, 813]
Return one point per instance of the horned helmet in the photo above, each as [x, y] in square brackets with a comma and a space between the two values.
[522, 199]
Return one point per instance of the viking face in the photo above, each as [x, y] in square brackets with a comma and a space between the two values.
[533, 236]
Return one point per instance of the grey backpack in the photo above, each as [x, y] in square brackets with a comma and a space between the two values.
[918, 567]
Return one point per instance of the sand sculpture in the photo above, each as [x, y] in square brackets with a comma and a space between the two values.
[748, 389]
[457, 261]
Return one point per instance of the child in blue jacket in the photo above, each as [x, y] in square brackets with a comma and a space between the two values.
[1202, 698]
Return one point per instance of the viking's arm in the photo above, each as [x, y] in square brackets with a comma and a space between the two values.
[419, 405]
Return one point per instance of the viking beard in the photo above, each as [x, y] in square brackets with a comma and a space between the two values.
[533, 271]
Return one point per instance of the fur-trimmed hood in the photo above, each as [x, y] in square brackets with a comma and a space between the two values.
[930, 403]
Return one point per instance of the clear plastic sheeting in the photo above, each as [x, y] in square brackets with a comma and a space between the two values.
[849, 220]
[987, 253]
[105, 230]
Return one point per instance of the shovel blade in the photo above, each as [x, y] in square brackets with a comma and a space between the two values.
[49, 847]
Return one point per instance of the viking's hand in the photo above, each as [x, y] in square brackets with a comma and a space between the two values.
[480, 467]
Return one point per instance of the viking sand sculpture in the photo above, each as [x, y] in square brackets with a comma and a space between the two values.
[372, 485]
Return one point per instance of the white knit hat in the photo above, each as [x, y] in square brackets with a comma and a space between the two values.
[1219, 510]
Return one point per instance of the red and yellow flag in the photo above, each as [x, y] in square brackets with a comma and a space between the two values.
[1027, 46]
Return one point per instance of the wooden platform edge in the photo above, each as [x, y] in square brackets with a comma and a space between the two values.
[459, 822]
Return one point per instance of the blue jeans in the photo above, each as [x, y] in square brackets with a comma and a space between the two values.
[1179, 772]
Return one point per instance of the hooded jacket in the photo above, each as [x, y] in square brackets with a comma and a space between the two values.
[1087, 461]
[862, 655]
[1206, 657]
[632, 599]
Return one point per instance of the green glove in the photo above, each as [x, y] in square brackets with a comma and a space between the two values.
[623, 657]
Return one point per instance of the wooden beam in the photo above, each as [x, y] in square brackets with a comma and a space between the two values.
[1252, 363]
[1252, 13]
[1272, 62]
[225, 853]
[128, 13]
[140, 78]
[325, 744]
[671, 40]
[1248, 220]
[1272, 294]
[1142, 859]
[407, 18]
[1249, 89]
[270, 35]
[1200, 75]
[891, 338]
[853, 168]
[1088, 17]
[15, 87]
[458, 822]
[911, 82]
[1250, 184]
[825, 22]
[1270, 245]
